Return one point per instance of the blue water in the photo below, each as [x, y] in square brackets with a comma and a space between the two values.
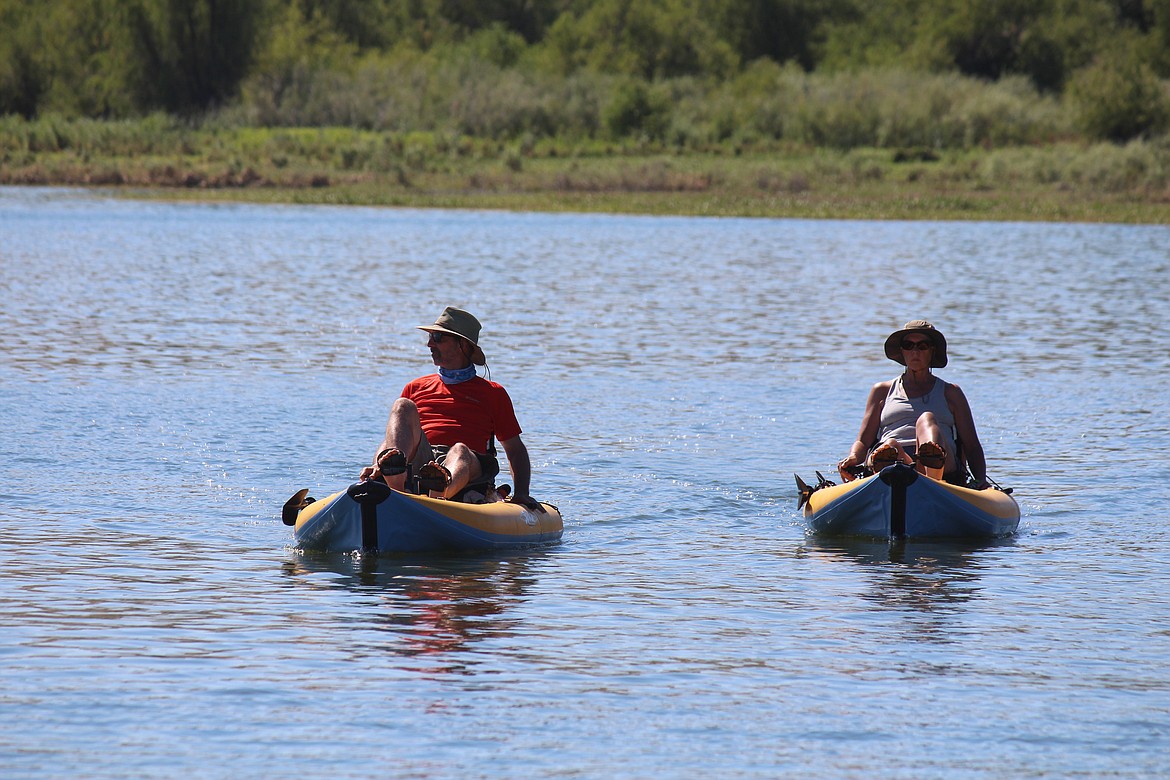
[171, 373]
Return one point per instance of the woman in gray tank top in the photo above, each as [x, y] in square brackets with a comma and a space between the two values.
[915, 417]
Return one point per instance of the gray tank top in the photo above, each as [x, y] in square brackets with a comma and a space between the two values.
[900, 413]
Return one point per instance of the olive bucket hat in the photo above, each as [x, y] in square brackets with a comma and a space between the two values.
[456, 322]
[938, 356]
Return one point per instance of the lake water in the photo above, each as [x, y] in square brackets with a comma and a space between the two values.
[171, 373]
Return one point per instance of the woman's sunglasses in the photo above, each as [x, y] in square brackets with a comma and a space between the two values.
[921, 346]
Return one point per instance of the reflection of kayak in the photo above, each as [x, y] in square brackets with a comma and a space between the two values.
[371, 516]
[899, 502]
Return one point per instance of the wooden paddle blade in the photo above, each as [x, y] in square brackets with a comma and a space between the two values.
[294, 505]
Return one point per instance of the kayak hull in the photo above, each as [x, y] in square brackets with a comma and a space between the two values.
[369, 516]
[901, 503]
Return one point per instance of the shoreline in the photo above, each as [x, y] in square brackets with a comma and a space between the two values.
[811, 184]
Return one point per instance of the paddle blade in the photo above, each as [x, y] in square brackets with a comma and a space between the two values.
[294, 505]
[805, 491]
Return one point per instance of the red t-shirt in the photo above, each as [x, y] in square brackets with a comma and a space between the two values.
[468, 412]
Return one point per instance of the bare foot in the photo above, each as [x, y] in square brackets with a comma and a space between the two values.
[434, 478]
[392, 468]
[932, 458]
[884, 455]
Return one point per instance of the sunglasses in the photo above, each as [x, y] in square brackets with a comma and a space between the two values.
[437, 338]
[921, 346]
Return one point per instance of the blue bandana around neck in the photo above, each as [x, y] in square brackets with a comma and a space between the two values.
[453, 376]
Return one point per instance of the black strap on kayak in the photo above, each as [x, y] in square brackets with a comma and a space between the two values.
[368, 494]
[898, 477]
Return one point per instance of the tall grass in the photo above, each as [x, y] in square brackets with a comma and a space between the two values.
[765, 105]
[155, 134]
[407, 94]
[404, 124]
[883, 109]
[1137, 167]
[890, 109]
[159, 151]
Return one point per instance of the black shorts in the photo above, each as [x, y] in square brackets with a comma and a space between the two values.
[489, 466]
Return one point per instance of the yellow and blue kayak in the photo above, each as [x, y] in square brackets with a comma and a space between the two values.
[900, 503]
[372, 517]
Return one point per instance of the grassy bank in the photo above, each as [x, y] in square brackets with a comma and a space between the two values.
[153, 158]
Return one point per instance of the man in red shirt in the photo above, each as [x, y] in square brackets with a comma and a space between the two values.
[443, 423]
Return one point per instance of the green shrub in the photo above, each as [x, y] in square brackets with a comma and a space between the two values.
[1119, 97]
[1115, 168]
[892, 109]
[636, 110]
[1105, 167]
[648, 39]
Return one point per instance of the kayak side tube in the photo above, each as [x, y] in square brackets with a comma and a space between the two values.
[371, 516]
[900, 502]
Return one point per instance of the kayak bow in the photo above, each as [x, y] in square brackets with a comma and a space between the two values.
[371, 516]
[899, 503]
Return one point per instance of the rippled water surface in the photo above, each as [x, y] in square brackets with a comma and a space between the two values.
[170, 373]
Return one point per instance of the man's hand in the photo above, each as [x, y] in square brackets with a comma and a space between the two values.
[528, 502]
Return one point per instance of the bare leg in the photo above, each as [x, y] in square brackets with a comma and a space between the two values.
[403, 433]
[928, 432]
[464, 468]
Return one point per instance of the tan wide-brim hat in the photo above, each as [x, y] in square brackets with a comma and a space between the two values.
[938, 356]
[457, 322]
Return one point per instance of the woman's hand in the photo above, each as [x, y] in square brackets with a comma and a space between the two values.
[845, 467]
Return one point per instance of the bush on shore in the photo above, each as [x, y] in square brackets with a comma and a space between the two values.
[884, 109]
[844, 73]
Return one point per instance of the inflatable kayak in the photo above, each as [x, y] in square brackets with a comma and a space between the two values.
[371, 516]
[901, 503]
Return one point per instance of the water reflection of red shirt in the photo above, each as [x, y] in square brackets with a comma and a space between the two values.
[469, 412]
